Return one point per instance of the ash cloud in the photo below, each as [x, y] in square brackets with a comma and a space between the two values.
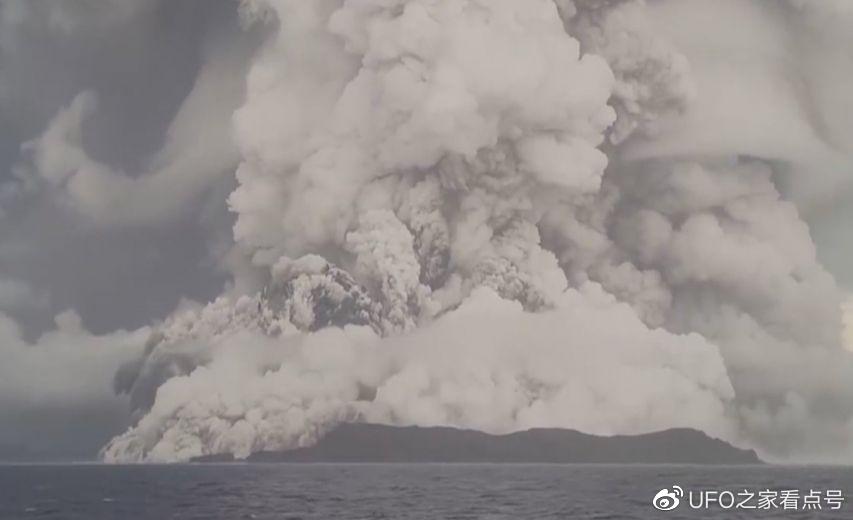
[493, 215]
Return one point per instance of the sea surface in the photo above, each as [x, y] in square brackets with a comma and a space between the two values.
[404, 491]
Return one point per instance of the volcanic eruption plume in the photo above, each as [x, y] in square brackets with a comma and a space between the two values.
[477, 213]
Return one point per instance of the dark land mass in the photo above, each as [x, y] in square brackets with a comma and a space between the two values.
[412, 444]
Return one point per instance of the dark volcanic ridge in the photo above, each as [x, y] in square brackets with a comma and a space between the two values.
[412, 444]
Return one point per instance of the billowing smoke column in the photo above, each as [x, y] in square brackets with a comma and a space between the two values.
[427, 211]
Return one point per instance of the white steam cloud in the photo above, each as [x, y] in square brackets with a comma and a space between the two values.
[588, 363]
[500, 215]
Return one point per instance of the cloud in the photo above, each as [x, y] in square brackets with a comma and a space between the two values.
[196, 155]
[589, 364]
[847, 318]
[770, 88]
[17, 295]
[56, 397]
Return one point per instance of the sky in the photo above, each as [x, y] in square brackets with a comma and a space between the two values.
[228, 226]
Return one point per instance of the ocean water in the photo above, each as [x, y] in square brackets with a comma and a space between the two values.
[402, 491]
